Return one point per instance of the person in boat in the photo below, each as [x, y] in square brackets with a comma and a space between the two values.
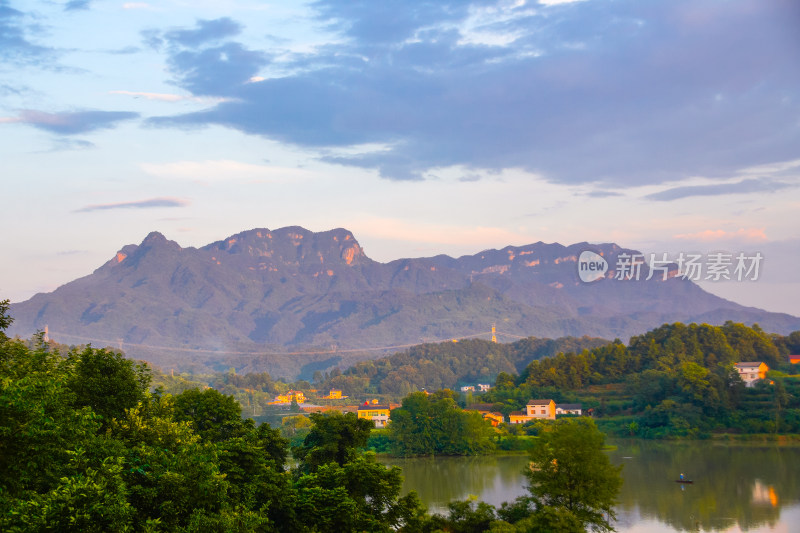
[682, 478]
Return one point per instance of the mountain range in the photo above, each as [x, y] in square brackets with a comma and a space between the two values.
[291, 299]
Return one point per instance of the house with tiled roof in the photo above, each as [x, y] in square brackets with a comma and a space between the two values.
[751, 371]
[534, 410]
[543, 409]
[569, 409]
[379, 414]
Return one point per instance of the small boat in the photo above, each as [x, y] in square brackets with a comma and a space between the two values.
[684, 481]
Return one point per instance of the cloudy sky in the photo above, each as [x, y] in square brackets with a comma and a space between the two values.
[423, 127]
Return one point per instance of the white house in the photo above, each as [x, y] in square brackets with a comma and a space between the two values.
[569, 409]
[751, 371]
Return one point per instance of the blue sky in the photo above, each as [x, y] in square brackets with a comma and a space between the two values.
[423, 127]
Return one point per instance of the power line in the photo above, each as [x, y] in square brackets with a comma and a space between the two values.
[227, 352]
[511, 335]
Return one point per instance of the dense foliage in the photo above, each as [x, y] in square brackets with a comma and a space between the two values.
[435, 425]
[570, 473]
[5, 319]
[157, 462]
[677, 380]
[82, 453]
[447, 365]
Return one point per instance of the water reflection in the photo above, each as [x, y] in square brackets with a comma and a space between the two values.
[735, 486]
[494, 479]
[744, 486]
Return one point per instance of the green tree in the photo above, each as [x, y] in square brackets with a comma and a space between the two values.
[106, 381]
[411, 430]
[5, 319]
[334, 438]
[467, 516]
[40, 430]
[57, 471]
[435, 425]
[340, 489]
[504, 381]
[779, 399]
[171, 474]
[215, 416]
[571, 476]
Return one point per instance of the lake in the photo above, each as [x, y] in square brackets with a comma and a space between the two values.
[736, 487]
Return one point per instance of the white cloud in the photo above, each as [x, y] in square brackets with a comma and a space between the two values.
[166, 97]
[772, 168]
[556, 2]
[223, 170]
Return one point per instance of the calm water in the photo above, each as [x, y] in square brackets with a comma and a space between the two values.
[737, 487]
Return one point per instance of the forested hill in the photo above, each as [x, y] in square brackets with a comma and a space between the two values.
[676, 380]
[663, 349]
[448, 365]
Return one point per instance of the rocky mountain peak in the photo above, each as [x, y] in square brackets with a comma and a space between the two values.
[292, 287]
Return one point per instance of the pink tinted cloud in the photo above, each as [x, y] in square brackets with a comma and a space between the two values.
[709, 235]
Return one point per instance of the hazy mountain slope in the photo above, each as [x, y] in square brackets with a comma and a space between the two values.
[290, 289]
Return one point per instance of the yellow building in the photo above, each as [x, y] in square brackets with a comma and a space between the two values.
[518, 417]
[379, 414]
[485, 410]
[289, 396]
[544, 409]
[334, 394]
[494, 418]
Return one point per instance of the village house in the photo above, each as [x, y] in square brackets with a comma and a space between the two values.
[288, 397]
[751, 371]
[544, 409]
[518, 417]
[334, 394]
[481, 387]
[495, 418]
[485, 410]
[569, 409]
[379, 414]
[329, 408]
[535, 410]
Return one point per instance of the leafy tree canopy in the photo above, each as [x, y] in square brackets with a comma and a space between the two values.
[214, 416]
[572, 476]
[5, 319]
[106, 381]
[334, 438]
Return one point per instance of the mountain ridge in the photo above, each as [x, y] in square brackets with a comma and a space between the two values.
[291, 289]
